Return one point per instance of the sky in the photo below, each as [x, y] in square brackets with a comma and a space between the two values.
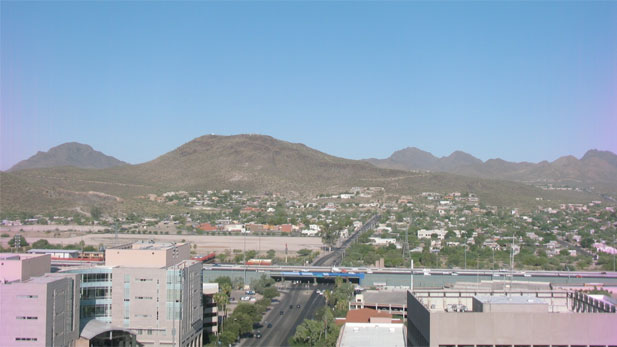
[522, 81]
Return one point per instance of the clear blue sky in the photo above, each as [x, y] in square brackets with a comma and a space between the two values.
[517, 80]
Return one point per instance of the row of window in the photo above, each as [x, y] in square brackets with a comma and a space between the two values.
[95, 293]
[27, 317]
[28, 296]
[96, 310]
[96, 277]
[26, 339]
[150, 332]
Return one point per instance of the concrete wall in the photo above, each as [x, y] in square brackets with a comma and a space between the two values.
[20, 267]
[143, 296]
[147, 258]
[522, 328]
[418, 322]
[43, 308]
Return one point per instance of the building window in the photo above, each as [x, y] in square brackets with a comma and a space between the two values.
[95, 293]
[96, 277]
[96, 310]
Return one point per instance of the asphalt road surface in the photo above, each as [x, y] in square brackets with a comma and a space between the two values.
[284, 325]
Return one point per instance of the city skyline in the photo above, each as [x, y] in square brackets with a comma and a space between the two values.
[354, 80]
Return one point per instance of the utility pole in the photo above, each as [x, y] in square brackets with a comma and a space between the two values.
[493, 266]
[244, 258]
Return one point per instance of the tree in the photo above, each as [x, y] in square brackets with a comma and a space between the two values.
[21, 241]
[304, 252]
[223, 280]
[320, 332]
[95, 212]
[41, 244]
[586, 242]
[271, 292]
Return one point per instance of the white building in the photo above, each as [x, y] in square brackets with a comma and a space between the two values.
[441, 233]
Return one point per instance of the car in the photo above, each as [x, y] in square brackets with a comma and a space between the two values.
[282, 313]
[291, 306]
[298, 306]
[258, 335]
[269, 325]
[250, 292]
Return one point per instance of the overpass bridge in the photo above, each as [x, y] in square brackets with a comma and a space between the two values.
[401, 277]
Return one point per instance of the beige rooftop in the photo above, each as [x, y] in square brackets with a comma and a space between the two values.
[147, 254]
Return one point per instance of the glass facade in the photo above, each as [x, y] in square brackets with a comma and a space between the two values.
[95, 294]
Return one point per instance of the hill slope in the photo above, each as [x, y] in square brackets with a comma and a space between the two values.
[252, 163]
[69, 154]
[595, 168]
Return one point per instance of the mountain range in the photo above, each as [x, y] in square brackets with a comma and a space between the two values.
[258, 164]
[595, 169]
[69, 154]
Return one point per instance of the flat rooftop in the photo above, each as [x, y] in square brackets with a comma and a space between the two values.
[515, 300]
[151, 245]
[372, 334]
[18, 256]
[460, 297]
[45, 251]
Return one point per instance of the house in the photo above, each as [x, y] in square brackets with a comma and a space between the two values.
[207, 227]
[383, 242]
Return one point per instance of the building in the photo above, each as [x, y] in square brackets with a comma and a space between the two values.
[427, 234]
[37, 308]
[372, 334]
[500, 313]
[20, 267]
[57, 253]
[389, 301]
[210, 308]
[367, 315]
[152, 290]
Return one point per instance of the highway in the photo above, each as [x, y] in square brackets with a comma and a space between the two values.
[284, 326]
[336, 256]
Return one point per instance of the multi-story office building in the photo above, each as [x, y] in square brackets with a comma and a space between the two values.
[503, 313]
[37, 309]
[150, 289]
[210, 308]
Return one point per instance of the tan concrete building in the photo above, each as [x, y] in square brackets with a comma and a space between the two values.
[157, 293]
[37, 308]
[20, 266]
[210, 308]
[508, 314]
